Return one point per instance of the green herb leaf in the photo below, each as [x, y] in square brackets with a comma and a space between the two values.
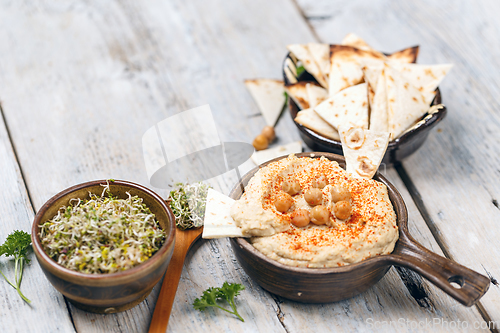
[300, 70]
[17, 245]
[227, 292]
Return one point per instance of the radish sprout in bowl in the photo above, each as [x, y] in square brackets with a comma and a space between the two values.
[102, 234]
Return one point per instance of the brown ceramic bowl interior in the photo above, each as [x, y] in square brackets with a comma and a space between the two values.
[323, 285]
[115, 292]
[397, 149]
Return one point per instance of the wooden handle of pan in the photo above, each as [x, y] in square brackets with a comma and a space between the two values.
[468, 286]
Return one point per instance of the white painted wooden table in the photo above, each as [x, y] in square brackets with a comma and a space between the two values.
[81, 81]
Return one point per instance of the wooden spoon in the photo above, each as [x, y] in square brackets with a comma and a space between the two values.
[183, 241]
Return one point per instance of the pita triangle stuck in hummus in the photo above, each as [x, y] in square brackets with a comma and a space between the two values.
[345, 70]
[270, 97]
[302, 53]
[363, 150]
[349, 106]
[310, 119]
[405, 103]
[218, 222]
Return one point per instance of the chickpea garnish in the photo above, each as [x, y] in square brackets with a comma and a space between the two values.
[320, 215]
[269, 133]
[260, 142]
[321, 182]
[291, 187]
[300, 218]
[283, 202]
[340, 193]
[314, 196]
[342, 210]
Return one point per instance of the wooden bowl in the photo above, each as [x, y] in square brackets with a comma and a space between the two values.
[114, 292]
[324, 285]
[397, 149]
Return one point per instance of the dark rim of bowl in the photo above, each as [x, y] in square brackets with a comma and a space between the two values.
[401, 220]
[435, 117]
[37, 246]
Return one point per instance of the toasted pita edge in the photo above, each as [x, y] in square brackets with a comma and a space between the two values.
[298, 92]
[408, 55]
[313, 121]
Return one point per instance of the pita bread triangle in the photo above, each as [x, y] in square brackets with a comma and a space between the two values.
[349, 106]
[424, 77]
[218, 222]
[363, 150]
[302, 53]
[298, 92]
[321, 54]
[405, 103]
[408, 55]
[355, 41]
[378, 108]
[310, 119]
[270, 97]
[315, 94]
[345, 70]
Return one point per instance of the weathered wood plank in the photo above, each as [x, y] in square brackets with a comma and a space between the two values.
[456, 172]
[16, 213]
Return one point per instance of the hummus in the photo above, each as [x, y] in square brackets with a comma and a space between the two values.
[369, 230]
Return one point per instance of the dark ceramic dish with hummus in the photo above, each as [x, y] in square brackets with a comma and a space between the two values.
[397, 150]
[324, 285]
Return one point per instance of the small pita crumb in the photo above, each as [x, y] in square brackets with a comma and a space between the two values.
[265, 155]
[363, 161]
[218, 222]
[270, 97]
[302, 53]
[310, 119]
[349, 106]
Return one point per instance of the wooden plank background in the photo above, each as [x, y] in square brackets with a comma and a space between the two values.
[80, 83]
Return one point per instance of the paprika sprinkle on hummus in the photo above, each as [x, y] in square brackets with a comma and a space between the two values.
[332, 219]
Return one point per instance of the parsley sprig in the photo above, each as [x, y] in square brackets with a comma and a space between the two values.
[227, 292]
[17, 245]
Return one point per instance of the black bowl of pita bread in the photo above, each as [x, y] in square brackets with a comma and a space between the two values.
[353, 85]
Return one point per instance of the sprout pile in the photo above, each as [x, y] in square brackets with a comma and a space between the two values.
[102, 234]
[188, 204]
